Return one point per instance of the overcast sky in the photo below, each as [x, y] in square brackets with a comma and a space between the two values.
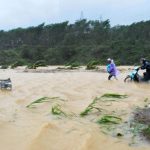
[25, 13]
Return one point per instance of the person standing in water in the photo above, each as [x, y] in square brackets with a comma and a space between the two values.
[145, 66]
[111, 69]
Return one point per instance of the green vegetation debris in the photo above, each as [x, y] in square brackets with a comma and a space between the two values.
[40, 100]
[119, 135]
[146, 132]
[108, 119]
[136, 128]
[114, 95]
[91, 107]
[56, 110]
[146, 100]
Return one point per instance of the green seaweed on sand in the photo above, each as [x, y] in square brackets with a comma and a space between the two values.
[91, 107]
[40, 100]
[109, 119]
[56, 110]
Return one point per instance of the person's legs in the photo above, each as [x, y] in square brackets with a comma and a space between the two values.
[110, 77]
[146, 76]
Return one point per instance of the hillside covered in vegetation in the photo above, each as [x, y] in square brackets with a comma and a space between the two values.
[80, 42]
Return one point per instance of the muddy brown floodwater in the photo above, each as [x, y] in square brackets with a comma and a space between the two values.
[37, 128]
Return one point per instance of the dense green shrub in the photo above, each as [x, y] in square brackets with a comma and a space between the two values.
[39, 63]
[17, 63]
[92, 65]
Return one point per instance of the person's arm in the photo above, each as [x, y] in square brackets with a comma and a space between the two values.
[145, 65]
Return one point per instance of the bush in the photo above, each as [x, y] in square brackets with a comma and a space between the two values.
[39, 63]
[4, 66]
[17, 63]
[73, 65]
[30, 66]
[92, 65]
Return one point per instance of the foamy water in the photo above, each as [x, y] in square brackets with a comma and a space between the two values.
[22, 128]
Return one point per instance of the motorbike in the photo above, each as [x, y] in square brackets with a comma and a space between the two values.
[133, 76]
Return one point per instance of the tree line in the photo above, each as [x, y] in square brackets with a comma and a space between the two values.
[80, 42]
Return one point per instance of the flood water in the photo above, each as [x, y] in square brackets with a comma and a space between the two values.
[37, 128]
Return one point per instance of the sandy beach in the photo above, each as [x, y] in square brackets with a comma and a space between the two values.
[23, 128]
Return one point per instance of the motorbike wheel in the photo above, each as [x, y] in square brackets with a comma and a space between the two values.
[128, 79]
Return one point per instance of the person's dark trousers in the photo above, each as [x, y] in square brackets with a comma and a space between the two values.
[110, 77]
[146, 76]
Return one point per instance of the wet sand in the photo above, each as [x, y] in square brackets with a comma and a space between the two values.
[37, 128]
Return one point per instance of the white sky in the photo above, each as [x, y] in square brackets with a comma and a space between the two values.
[25, 13]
